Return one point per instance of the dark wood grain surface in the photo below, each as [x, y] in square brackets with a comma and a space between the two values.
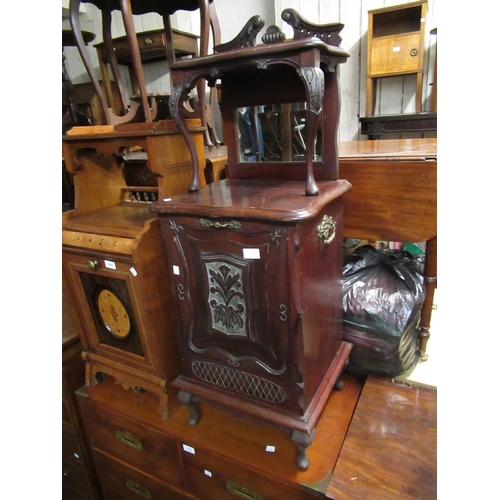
[253, 199]
[390, 448]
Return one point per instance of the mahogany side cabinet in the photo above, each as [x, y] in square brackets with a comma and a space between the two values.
[255, 260]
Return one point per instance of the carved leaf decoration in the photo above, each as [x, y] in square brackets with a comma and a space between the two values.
[227, 286]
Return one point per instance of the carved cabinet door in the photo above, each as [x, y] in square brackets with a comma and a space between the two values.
[230, 281]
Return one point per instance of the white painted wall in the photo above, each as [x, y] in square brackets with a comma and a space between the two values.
[394, 95]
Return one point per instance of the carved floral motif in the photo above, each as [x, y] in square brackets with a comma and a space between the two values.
[226, 298]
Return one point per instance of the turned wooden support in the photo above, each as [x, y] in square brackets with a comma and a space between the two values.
[303, 441]
[430, 283]
[189, 402]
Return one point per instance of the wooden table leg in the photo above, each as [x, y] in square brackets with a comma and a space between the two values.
[430, 282]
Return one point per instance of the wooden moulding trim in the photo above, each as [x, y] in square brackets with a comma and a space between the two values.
[126, 375]
[98, 242]
[270, 414]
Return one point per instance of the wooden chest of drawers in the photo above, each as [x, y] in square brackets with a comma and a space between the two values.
[140, 455]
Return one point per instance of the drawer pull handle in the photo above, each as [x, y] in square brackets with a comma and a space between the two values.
[233, 224]
[148, 41]
[413, 52]
[92, 264]
[137, 488]
[327, 229]
[129, 440]
[242, 491]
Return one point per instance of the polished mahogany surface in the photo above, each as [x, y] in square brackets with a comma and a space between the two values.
[394, 189]
[269, 200]
[390, 451]
[404, 149]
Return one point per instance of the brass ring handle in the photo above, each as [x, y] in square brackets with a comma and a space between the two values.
[233, 224]
[148, 41]
[327, 229]
[413, 52]
[92, 264]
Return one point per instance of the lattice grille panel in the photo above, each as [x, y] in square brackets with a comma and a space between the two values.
[238, 381]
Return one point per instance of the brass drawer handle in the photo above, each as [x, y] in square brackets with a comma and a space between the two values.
[92, 264]
[218, 225]
[137, 488]
[327, 229]
[148, 41]
[242, 491]
[413, 52]
[128, 439]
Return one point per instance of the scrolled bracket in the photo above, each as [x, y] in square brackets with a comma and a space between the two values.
[314, 80]
[328, 33]
[246, 37]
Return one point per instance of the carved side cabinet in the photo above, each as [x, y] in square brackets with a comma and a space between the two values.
[255, 261]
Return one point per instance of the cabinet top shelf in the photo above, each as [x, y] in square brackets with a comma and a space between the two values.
[271, 200]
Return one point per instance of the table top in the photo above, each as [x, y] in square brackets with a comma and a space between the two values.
[389, 149]
[390, 451]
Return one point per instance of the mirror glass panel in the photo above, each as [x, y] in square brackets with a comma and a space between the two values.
[274, 132]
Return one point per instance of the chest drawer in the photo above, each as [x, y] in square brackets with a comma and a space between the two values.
[75, 478]
[213, 478]
[140, 446]
[71, 448]
[120, 482]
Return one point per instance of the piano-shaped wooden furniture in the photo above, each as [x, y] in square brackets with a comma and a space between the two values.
[113, 257]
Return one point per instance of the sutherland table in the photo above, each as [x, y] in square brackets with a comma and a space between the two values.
[394, 197]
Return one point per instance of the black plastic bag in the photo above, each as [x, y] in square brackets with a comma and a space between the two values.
[382, 298]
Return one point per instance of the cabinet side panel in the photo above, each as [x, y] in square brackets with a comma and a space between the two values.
[320, 267]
